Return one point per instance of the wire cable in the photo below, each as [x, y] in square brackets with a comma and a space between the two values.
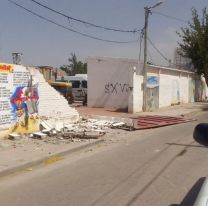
[69, 29]
[161, 54]
[85, 22]
[170, 17]
[150, 56]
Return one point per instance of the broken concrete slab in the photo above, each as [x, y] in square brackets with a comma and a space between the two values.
[14, 136]
[39, 135]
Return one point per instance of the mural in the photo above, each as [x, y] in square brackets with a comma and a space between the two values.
[24, 103]
[18, 100]
[152, 81]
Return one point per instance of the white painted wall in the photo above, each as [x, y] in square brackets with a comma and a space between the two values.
[174, 87]
[109, 81]
[136, 95]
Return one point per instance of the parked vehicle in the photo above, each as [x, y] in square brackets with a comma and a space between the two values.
[79, 86]
[64, 88]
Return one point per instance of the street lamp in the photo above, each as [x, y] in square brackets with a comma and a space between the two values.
[147, 11]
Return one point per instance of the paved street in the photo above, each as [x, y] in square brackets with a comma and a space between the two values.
[150, 167]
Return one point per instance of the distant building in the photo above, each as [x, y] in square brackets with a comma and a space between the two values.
[46, 71]
[181, 62]
[51, 73]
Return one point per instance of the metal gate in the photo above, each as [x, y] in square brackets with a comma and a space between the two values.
[152, 98]
[152, 93]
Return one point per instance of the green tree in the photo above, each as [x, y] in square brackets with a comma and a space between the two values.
[194, 43]
[75, 66]
[67, 69]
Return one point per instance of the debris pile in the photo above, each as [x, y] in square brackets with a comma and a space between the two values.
[83, 129]
[57, 132]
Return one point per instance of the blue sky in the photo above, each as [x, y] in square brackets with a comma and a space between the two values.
[43, 43]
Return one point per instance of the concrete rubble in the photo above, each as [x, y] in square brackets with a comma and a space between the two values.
[82, 129]
[55, 131]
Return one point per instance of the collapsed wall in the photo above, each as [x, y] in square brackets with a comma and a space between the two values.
[26, 98]
[51, 103]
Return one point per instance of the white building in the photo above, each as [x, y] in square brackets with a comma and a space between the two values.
[117, 83]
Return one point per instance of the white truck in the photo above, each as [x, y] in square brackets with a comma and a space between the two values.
[79, 86]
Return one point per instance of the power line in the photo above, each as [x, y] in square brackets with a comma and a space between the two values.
[161, 54]
[69, 29]
[170, 17]
[150, 56]
[84, 22]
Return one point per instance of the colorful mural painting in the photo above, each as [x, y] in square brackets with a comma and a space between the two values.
[24, 103]
[18, 100]
[152, 81]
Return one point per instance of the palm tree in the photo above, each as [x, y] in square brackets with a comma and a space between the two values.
[73, 63]
[75, 66]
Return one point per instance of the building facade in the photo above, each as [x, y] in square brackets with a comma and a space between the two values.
[118, 83]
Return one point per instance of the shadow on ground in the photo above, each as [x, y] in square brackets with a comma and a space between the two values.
[191, 196]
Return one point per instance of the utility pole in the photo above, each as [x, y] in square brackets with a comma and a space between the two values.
[16, 56]
[147, 11]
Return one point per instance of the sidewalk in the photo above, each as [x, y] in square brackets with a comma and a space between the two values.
[176, 110]
[25, 153]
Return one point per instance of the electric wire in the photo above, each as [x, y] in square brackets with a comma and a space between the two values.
[150, 56]
[69, 29]
[161, 54]
[85, 22]
[170, 17]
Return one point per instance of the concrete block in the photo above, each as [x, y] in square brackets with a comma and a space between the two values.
[14, 136]
[39, 135]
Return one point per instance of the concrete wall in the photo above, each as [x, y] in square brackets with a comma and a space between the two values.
[25, 97]
[117, 83]
[173, 85]
[109, 82]
[18, 99]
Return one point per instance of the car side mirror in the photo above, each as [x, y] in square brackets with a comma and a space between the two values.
[201, 133]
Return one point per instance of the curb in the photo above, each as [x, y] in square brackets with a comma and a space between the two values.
[37, 162]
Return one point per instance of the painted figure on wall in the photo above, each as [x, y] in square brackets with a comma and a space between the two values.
[24, 103]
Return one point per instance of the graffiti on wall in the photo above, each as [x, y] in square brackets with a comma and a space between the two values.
[18, 100]
[116, 88]
[175, 92]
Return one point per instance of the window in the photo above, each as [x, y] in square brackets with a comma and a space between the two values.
[84, 84]
[75, 83]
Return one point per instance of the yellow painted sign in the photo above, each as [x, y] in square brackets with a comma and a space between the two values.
[6, 68]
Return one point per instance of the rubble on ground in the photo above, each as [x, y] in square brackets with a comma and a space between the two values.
[83, 129]
[57, 132]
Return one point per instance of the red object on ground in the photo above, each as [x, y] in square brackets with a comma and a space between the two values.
[147, 122]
